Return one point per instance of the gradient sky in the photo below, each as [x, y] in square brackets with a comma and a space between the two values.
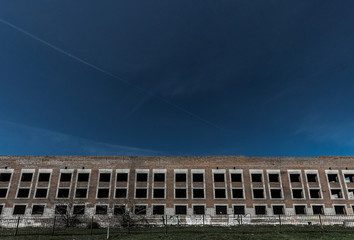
[186, 77]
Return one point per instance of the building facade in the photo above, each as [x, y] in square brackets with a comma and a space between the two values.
[175, 185]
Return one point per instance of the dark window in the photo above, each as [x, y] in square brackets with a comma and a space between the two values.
[180, 193]
[141, 177]
[101, 209]
[351, 193]
[1, 207]
[159, 177]
[275, 193]
[294, 177]
[312, 177]
[332, 178]
[5, 177]
[219, 177]
[105, 177]
[220, 193]
[258, 193]
[198, 177]
[158, 193]
[103, 193]
[3, 192]
[19, 209]
[63, 193]
[256, 177]
[23, 193]
[236, 177]
[65, 177]
[336, 193]
[141, 193]
[44, 177]
[79, 209]
[340, 210]
[158, 210]
[198, 209]
[181, 177]
[260, 210]
[221, 210]
[180, 210]
[81, 193]
[317, 209]
[300, 210]
[349, 177]
[278, 210]
[297, 193]
[37, 209]
[239, 210]
[315, 193]
[121, 193]
[122, 177]
[26, 177]
[61, 209]
[119, 209]
[140, 210]
[198, 193]
[41, 193]
[237, 193]
[83, 177]
[273, 177]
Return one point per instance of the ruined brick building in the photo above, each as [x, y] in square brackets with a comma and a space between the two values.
[213, 185]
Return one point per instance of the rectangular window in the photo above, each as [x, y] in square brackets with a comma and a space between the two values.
[1, 207]
[275, 193]
[256, 177]
[141, 177]
[105, 177]
[141, 193]
[317, 209]
[239, 210]
[61, 209]
[199, 210]
[219, 177]
[140, 210]
[119, 209]
[83, 177]
[294, 177]
[340, 210]
[220, 193]
[237, 193]
[236, 177]
[26, 177]
[180, 210]
[65, 177]
[41, 193]
[349, 178]
[159, 177]
[336, 193]
[121, 193]
[79, 209]
[181, 177]
[19, 209]
[221, 210]
[258, 193]
[260, 210]
[273, 177]
[43, 177]
[158, 209]
[103, 193]
[5, 177]
[122, 177]
[158, 193]
[315, 193]
[332, 178]
[37, 209]
[180, 193]
[81, 193]
[101, 209]
[198, 177]
[23, 193]
[311, 177]
[63, 193]
[278, 210]
[300, 210]
[198, 193]
[3, 192]
[297, 193]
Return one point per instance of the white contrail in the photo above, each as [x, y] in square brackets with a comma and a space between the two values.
[108, 73]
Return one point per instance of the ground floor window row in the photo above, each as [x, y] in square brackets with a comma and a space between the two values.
[142, 209]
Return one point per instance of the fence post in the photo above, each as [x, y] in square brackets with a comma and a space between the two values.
[321, 223]
[18, 222]
[203, 223]
[53, 229]
[279, 224]
[91, 225]
[129, 224]
[166, 225]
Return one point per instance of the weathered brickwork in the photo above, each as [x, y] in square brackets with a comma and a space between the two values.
[46, 185]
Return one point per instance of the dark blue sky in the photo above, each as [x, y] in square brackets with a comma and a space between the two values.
[186, 77]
